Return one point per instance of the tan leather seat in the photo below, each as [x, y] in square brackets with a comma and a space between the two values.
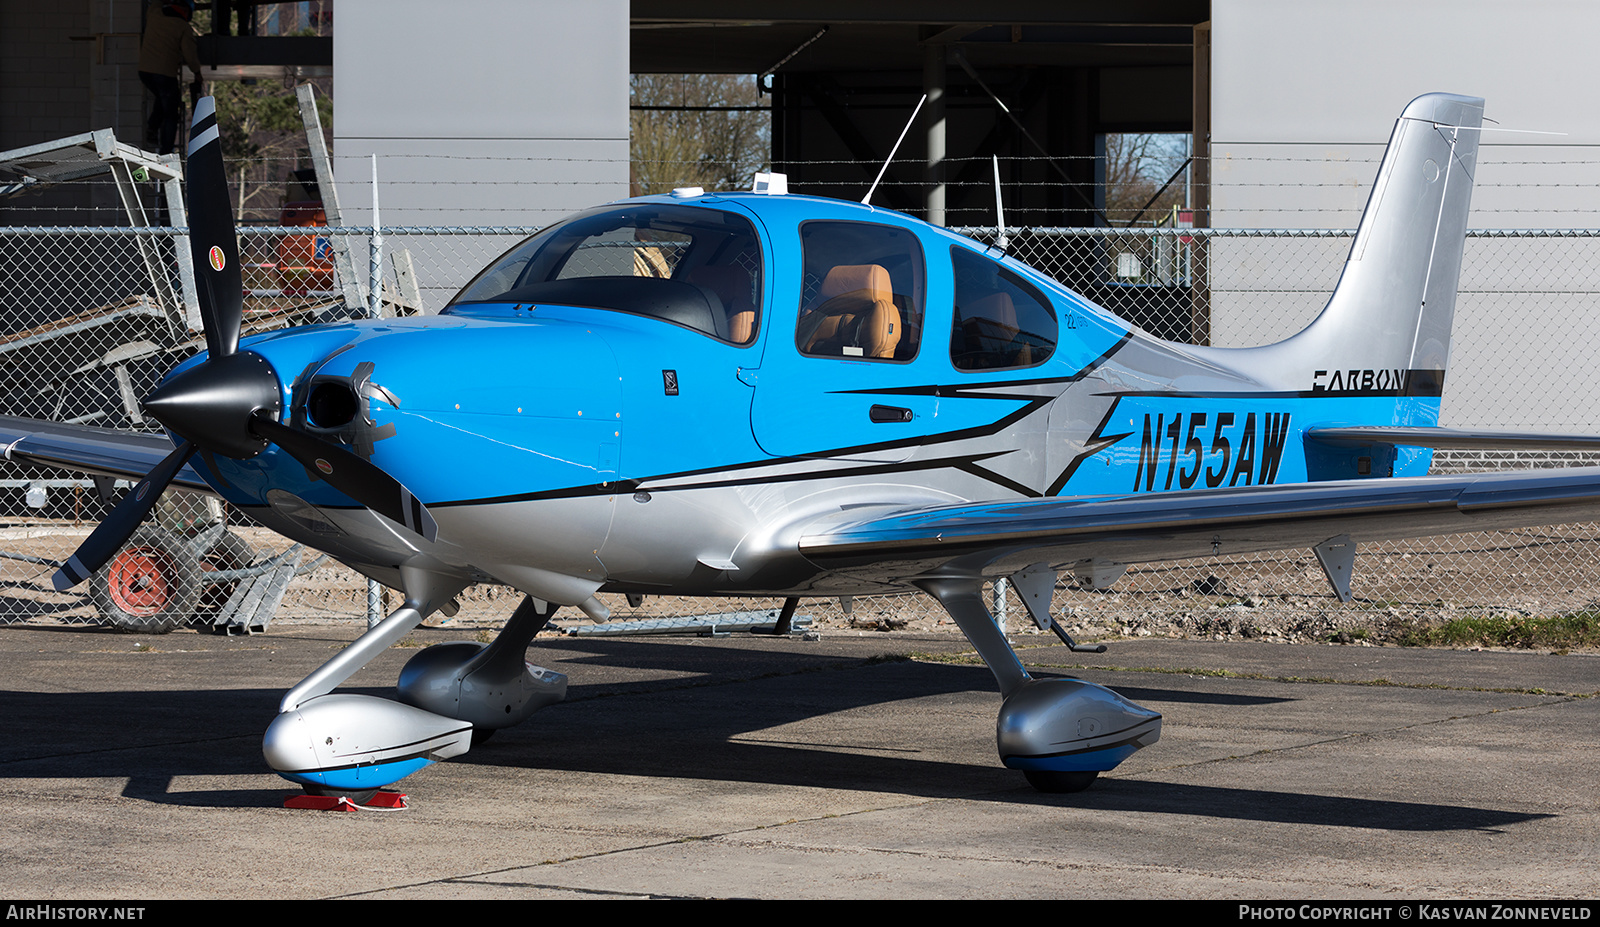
[650, 261]
[732, 285]
[995, 318]
[855, 308]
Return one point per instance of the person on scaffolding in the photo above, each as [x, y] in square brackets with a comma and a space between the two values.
[166, 46]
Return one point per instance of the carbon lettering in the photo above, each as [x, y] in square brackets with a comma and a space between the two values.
[1241, 454]
[1372, 381]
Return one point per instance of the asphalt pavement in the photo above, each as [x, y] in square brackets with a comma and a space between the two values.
[860, 765]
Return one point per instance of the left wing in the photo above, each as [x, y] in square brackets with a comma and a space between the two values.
[124, 455]
[899, 546]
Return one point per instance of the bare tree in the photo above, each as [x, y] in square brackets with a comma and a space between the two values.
[263, 140]
[716, 135]
[1136, 167]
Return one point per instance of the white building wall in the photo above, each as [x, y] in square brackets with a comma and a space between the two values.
[1304, 95]
[481, 112]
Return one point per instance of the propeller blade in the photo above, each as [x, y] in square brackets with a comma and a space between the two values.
[106, 539]
[212, 239]
[359, 479]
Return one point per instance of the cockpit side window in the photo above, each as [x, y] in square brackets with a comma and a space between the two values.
[700, 268]
[862, 293]
[1001, 320]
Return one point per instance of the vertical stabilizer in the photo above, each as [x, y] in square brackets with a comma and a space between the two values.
[1395, 300]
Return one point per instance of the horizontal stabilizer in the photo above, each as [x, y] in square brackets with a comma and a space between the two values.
[1451, 438]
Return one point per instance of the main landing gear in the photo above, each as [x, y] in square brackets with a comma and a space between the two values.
[351, 746]
[1061, 733]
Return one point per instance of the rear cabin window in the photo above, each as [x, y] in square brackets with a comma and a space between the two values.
[699, 268]
[1001, 320]
[862, 293]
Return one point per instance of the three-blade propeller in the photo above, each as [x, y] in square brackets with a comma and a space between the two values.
[231, 403]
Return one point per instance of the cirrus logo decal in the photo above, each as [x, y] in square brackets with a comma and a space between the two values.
[218, 261]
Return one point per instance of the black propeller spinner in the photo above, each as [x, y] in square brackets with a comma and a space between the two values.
[230, 403]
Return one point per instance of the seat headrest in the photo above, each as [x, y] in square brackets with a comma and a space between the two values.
[849, 278]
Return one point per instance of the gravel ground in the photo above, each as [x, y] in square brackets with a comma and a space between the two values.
[1284, 598]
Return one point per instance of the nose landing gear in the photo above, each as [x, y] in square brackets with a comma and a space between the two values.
[350, 747]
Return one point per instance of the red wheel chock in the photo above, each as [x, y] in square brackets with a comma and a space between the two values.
[381, 800]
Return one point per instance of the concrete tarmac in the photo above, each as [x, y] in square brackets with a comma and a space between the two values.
[779, 768]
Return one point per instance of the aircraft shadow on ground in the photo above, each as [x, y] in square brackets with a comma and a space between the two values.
[719, 665]
[1277, 807]
[18, 609]
[694, 728]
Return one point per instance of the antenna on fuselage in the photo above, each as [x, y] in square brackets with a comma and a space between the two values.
[375, 310]
[999, 208]
[867, 200]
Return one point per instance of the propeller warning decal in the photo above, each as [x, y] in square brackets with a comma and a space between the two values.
[324, 466]
[218, 261]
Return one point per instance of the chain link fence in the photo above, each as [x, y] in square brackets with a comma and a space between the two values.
[91, 318]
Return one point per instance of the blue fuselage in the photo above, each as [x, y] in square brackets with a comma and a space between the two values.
[594, 429]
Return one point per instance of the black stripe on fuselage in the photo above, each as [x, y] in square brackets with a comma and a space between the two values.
[963, 462]
[1030, 404]
[1097, 442]
[1414, 383]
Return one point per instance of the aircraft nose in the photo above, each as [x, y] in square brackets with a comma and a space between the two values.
[211, 404]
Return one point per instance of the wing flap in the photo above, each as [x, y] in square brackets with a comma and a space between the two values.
[997, 538]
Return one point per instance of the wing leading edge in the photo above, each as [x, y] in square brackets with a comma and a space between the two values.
[902, 545]
[99, 451]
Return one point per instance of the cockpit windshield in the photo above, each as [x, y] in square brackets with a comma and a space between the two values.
[699, 268]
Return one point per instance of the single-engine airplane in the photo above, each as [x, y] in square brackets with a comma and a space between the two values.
[767, 394]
